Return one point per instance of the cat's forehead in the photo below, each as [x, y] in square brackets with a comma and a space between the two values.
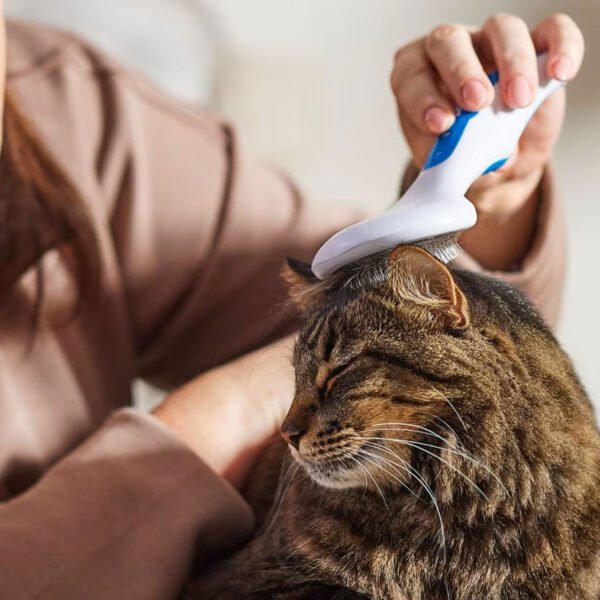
[344, 328]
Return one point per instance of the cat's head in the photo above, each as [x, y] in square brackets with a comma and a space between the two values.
[403, 366]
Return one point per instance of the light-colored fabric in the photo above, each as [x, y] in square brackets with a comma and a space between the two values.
[100, 501]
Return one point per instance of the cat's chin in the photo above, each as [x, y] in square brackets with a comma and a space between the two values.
[331, 476]
[335, 483]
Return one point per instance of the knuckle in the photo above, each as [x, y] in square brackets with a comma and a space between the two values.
[500, 20]
[405, 56]
[424, 101]
[461, 71]
[398, 71]
[441, 34]
[562, 20]
[518, 60]
[569, 26]
[403, 73]
[396, 81]
[563, 26]
[393, 80]
[399, 54]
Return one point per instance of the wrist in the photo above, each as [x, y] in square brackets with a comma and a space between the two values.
[498, 196]
[227, 415]
[205, 415]
[507, 217]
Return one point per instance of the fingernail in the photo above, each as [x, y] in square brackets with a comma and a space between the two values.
[437, 119]
[519, 91]
[473, 93]
[563, 68]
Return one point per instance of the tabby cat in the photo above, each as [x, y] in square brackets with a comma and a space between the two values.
[441, 447]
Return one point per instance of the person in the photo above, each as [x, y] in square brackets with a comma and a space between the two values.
[137, 239]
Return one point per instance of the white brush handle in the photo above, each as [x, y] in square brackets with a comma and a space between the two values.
[481, 142]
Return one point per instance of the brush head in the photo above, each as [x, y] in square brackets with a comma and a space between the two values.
[443, 247]
[431, 221]
[363, 274]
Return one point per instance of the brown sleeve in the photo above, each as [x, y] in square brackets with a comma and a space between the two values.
[201, 231]
[541, 275]
[118, 518]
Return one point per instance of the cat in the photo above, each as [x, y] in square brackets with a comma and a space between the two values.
[440, 447]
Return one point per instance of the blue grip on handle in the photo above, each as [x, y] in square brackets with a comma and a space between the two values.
[447, 142]
[495, 166]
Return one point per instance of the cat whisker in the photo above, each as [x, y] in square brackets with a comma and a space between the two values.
[348, 454]
[419, 479]
[362, 451]
[283, 486]
[464, 453]
[445, 423]
[378, 488]
[417, 446]
[469, 456]
[421, 428]
[412, 471]
[446, 399]
[283, 489]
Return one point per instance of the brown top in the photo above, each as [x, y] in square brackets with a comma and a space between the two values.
[101, 501]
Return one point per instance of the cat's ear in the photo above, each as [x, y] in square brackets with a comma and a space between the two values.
[416, 276]
[305, 289]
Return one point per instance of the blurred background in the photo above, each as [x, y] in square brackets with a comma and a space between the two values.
[307, 84]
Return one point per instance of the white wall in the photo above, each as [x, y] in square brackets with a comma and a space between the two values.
[172, 41]
[308, 83]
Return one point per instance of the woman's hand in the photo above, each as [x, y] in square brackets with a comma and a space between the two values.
[228, 414]
[448, 68]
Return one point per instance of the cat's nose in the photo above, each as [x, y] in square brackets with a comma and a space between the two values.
[292, 434]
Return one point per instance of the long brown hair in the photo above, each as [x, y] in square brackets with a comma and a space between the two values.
[40, 209]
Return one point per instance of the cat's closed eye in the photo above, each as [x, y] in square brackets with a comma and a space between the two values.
[413, 400]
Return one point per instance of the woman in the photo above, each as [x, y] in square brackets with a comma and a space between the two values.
[138, 240]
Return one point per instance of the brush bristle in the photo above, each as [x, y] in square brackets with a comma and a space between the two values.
[445, 247]
[371, 271]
